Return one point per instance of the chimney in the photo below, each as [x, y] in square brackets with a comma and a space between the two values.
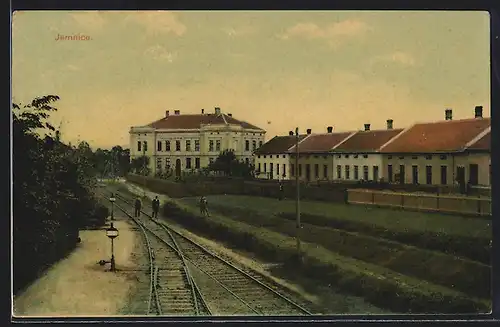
[329, 129]
[230, 115]
[389, 123]
[448, 114]
[167, 113]
[367, 127]
[202, 111]
[177, 112]
[308, 131]
[217, 110]
[478, 111]
[290, 133]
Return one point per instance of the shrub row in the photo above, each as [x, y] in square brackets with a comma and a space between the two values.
[379, 286]
[473, 248]
[464, 275]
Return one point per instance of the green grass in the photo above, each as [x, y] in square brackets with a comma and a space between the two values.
[390, 219]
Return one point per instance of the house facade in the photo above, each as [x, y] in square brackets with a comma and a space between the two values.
[441, 153]
[181, 142]
[272, 160]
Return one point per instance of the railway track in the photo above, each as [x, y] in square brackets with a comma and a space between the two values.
[226, 287]
[172, 290]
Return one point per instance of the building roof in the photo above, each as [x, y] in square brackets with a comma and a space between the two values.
[442, 136]
[367, 141]
[194, 121]
[278, 144]
[321, 142]
[483, 144]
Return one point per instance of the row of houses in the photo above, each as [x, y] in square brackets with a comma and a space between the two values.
[444, 152]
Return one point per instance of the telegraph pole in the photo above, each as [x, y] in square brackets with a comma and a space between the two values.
[297, 185]
[144, 167]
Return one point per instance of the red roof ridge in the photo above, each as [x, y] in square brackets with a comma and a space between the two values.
[478, 138]
[344, 140]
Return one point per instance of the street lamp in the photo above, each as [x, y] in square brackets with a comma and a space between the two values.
[297, 202]
[112, 200]
[112, 233]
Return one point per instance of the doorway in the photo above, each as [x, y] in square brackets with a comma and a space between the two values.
[402, 174]
[178, 167]
[308, 172]
[473, 174]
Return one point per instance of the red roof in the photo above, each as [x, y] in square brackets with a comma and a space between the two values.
[366, 141]
[442, 136]
[321, 142]
[195, 121]
[278, 144]
[484, 143]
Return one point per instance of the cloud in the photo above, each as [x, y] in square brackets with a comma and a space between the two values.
[155, 22]
[402, 58]
[157, 52]
[240, 31]
[89, 20]
[334, 31]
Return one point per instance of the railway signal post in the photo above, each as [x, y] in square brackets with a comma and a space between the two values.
[112, 200]
[297, 185]
[112, 233]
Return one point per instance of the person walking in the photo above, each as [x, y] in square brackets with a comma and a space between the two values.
[204, 206]
[281, 191]
[138, 206]
[156, 207]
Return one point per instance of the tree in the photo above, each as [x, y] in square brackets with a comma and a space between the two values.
[140, 165]
[227, 164]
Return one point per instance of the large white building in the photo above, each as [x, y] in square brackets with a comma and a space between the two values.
[186, 142]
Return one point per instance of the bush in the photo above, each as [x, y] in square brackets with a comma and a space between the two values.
[473, 248]
[464, 275]
[379, 286]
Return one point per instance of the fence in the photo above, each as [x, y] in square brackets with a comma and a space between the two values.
[429, 202]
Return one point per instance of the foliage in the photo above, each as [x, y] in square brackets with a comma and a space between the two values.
[53, 190]
[140, 165]
[112, 163]
[227, 164]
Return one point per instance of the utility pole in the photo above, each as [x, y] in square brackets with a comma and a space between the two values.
[144, 167]
[297, 185]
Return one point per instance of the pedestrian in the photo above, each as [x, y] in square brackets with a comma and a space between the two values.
[156, 207]
[204, 206]
[138, 206]
[281, 191]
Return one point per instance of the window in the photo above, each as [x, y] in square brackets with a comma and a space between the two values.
[177, 145]
[247, 145]
[211, 160]
[375, 173]
[284, 170]
[389, 157]
[365, 173]
[254, 145]
[264, 157]
[428, 175]
[159, 145]
[402, 174]
[346, 156]
[284, 156]
[167, 163]
[271, 156]
[211, 146]
[414, 157]
[265, 167]
[389, 173]
[197, 163]
[356, 172]
[300, 170]
[292, 170]
[139, 145]
[325, 171]
[414, 170]
[346, 172]
[365, 156]
[355, 156]
[188, 163]
[442, 157]
[258, 169]
[339, 172]
[444, 175]
[217, 145]
[339, 156]
[158, 163]
[429, 157]
[271, 170]
[260, 144]
[401, 157]
[278, 169]
[316, 170]
[188, 145]
[197, 145]
[145, 146]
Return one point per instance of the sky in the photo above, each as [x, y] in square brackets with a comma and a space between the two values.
[275, 69]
